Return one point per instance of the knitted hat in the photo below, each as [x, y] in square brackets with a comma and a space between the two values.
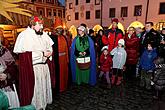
[104, 48]
[115, 20]
[121, 41]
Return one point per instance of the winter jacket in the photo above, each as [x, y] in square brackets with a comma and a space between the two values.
[119, 57]
[152, 36]
[147, 60]
[159, 77]
[132, 48]
[161, 49]
[105, 64]
[111, 38]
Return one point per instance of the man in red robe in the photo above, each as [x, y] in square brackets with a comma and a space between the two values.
[34, 48]
[61, 57]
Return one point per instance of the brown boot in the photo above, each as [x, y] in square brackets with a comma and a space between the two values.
[118, 81]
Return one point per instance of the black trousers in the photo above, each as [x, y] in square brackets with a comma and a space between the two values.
[117, 72]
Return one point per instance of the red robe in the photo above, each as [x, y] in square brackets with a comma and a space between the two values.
[63, 62]
[26, 78]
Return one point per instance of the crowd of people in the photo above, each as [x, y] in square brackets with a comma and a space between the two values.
[49, 62]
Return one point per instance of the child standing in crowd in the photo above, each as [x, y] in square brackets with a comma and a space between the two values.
[159, 78]
[119, 58]
[105, 64]
[147, 65]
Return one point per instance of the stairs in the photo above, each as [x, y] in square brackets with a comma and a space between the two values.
[9, 33]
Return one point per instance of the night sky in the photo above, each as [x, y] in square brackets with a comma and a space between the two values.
[62, 1]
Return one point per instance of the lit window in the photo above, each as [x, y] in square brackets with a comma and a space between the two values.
[138, 10]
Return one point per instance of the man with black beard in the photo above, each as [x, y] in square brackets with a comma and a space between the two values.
[61, 57]
[34, 48]
[149, 35]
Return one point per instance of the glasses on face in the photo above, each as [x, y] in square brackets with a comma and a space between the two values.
[130, 30]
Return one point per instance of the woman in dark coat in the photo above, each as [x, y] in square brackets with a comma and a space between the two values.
[7, 62]
[132, 49]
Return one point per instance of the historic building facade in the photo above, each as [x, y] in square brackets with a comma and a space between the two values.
[93, 12]
[47, 8]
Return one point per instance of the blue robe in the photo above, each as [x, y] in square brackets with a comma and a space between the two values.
[92, 78]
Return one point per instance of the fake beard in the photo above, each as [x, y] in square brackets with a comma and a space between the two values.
[40, 32]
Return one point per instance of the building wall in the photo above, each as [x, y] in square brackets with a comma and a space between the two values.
[153, 12]
[82, 7]
[123, 3]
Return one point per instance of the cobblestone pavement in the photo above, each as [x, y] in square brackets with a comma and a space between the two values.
[128, 96]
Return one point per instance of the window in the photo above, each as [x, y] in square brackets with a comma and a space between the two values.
[112, 12]
[97, 14]
[41, 12]
[70, 5]
[87, 1]
[69, 18]
[76, 2]
[63, 13]
[124, 11]
[97, 2]
[49, 14]
[48, 1]
[162, 8]
[138, 10]
[59, 13]
[38, 0]
[87, 14]
[54, 13]
[76, 16]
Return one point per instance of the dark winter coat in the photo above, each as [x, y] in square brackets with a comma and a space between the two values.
[161, 49]
[159, 77]
[132, 48]
[150, 37]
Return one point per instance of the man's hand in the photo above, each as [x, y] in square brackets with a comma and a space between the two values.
[3, 77]
[84, 53]
[124, 68]
[81, 53]
[47, 53]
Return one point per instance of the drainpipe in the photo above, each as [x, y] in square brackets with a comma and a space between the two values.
[147, 11]
[101, 19]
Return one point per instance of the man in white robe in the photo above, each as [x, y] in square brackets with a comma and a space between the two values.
[34, 44]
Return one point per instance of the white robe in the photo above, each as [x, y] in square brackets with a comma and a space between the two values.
[28, 41]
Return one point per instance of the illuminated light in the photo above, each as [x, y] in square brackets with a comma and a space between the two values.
[96, 28]
[73, 31]
[136, 24]
[64, 26]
